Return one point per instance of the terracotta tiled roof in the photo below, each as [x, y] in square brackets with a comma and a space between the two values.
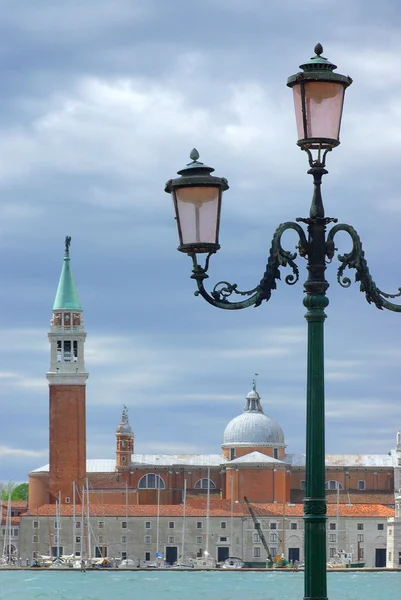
[14, 520]
[15, 504]
[360, 497]
[218, 508]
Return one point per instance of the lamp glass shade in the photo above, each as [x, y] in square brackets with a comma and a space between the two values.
[323, 109]
[198, 214]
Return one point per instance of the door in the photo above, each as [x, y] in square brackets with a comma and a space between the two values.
[57, 551]
[293, 554]
[223, 552]
[171, 554]
[380, 558]
[101, 551]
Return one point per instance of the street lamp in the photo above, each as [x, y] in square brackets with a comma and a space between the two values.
[318, 98]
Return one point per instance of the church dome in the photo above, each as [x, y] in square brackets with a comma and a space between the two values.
[253, 427]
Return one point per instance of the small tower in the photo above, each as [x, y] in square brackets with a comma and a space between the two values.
[124, 443]
[67, 388]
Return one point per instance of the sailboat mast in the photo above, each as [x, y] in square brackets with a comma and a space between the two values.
[88, 520]
[74, 516]
[207, 509]
[9, 528]
[158, 515]
[126, 518]
[82, 521]
[183, 520]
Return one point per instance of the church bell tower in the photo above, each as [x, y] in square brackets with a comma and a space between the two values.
[67, 388]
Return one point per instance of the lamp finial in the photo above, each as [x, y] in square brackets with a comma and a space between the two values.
[194, 154]
[318, 50]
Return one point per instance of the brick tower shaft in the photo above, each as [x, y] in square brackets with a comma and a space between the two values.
[67, 390]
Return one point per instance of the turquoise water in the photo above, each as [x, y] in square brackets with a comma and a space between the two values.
[182, 585]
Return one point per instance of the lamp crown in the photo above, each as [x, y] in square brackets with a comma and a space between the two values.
[318, 62]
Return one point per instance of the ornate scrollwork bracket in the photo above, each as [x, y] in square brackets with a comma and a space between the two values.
[356, 260]
[278, 257]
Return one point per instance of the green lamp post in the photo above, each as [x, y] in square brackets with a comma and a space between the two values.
[318, 99]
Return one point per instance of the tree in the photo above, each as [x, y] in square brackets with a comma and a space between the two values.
[6, 489]
[18, 492]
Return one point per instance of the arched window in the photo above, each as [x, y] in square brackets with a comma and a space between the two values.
[151, 481]
[333, 485]
[201, 484]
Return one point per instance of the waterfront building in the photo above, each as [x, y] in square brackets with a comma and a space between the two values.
[253, 462]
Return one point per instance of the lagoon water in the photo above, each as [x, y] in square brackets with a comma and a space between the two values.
[197, 585]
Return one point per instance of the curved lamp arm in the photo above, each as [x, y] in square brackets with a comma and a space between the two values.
[278, 257]
[356, 260]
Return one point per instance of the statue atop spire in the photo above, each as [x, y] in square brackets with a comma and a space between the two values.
[254, 382]
[67, 243]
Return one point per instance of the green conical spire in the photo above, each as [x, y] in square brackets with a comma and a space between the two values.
[67, 295]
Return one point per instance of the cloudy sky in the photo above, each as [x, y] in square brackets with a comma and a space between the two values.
[101, 103]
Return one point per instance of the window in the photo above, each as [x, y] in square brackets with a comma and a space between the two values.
[171, 539]
[275, 452]
[147, 539]
[15, 532]
[332, 552]
[223, 525]
[35, 524]
[123, 524]
[78, 525]
[294, 526]
[273, 551]
[361, 485]
[273, 537]
[199, 525]
[123, 555]
[56, 525]
[256, 538]
[361, 553]
[390, 532]
[359, 537]
[332, 537]
[77, 539]
[100, 539]
[359, 526]
[147, 524]
[147, 555]
[333, 485]
[380, 526]
[202, 484]
[151, 481]
[303, 484]
[232, 453]
[273, 525]
[100, 524]
[77, 553]
[223, 539]
[123, 459]
[256, 552]
[35, 539]
[199, 539]
[171, 525]
[123, 539]
[67, 499]
[332, 526]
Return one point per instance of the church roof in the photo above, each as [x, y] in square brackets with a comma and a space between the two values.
[67, 295]
[346, 460]
[108, 465]
[255, 458]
